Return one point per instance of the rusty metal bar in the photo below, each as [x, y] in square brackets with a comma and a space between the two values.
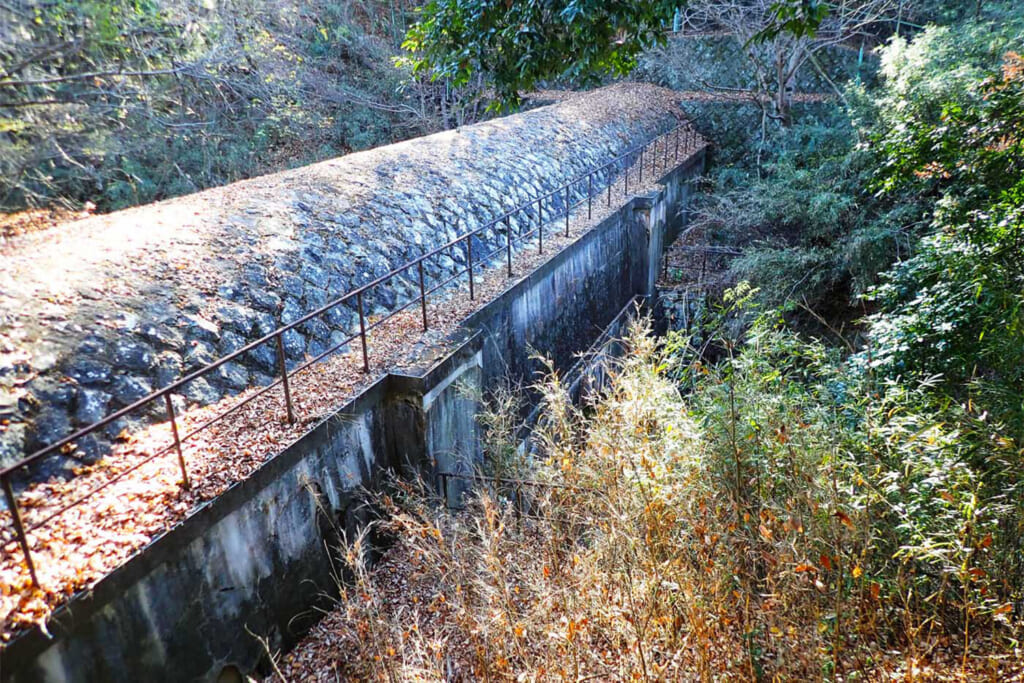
[540, 226]
[508, 242]
[19, 528]
[677, 143]
[423, 297]
[284, 378]
[641, 181]
[590, 196]
[169, 405]
[469, 258]
[568, 203]
[362, 332]
[664, 160]
[611, 181]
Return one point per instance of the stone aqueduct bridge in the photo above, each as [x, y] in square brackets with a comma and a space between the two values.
[98, 314]
[125, 303]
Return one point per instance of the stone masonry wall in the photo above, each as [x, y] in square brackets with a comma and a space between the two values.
[98, 313]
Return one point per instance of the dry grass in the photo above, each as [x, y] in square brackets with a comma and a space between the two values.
[640, 563]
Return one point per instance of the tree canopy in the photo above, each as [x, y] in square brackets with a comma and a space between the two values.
[518, 44]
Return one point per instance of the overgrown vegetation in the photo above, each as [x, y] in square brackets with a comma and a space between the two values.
[123, 102]
[809, 200]
[781, 519]
[826, 481]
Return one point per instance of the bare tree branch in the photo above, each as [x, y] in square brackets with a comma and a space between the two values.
[92, 74]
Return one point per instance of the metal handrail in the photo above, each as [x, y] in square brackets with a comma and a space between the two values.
[683, 131]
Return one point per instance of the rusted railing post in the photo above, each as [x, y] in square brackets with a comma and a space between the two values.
[641, 181]
[540, 225]
[590, 195]
[508, 242]
[284, 378]
[169, 405]
[469, 258]
[423, 296]
[19, 529]
[568, 201]
[664, 159]
[362, 332]
[611, 181]
[625, 183]
[677, 143]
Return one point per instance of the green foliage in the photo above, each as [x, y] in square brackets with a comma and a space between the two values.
[703, 62]
[918, 499]
[798, 18]
[956, 309]
[920, 428]
[939, 88]
[517, 45]
[808, 229]
[125, 102]
[823, 209]
[948, 12]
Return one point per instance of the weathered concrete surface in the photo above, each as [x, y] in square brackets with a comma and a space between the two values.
[561, 307]
[258, 557]
[95, 315]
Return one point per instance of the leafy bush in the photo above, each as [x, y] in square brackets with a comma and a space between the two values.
[703, 62]
[956, 308]
[808, 228]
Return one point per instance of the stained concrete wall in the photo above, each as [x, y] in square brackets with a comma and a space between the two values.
[254, 558]
[560, 308]
[257, 559]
